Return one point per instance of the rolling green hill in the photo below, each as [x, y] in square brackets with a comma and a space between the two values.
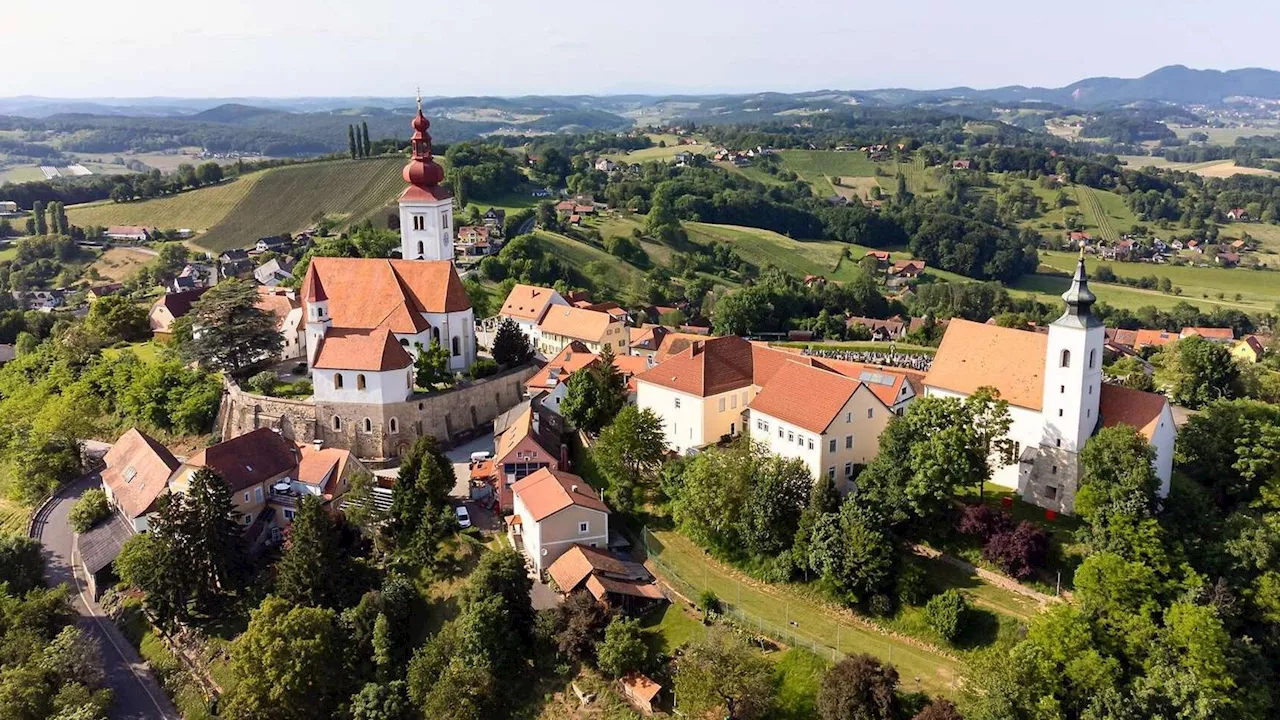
[268, 202]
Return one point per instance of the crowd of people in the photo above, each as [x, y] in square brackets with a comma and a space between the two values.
[891, 358]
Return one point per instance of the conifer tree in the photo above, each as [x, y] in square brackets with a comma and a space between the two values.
[351, 140]
[364, 138]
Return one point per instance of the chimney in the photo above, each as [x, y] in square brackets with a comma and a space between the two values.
[697, 347]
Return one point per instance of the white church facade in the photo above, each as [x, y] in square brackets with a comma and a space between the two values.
[1056, 393]
[368, 318]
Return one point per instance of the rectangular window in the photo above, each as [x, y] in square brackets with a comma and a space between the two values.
[1062, 389]
[848, 417]
[444, 221]
[766, 427]
[1059, 412]
[246, 496]
[1051, 492]
[582, 528]
[1054, 470]
[419, 222]
[779, 432]
[871, 412]
[288, 514]
[257, 494]
[810, 443]
[744, 398]
[848, 442]
[733, 401]
[790, 438]
[721, 404]
[848, 469]
[831, 445]
[831, 473]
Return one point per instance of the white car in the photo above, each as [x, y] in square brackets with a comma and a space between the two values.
[464, 518]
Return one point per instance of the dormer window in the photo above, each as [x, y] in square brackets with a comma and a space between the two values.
[129, 474]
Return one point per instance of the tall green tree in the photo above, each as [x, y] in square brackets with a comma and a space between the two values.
[1118, 489]
[21, 563]
[778, 497]
[288, 664]
[116, 318]
[504, 574]
[629, 453]
[420, 511]
[719, 672]
[225, 329]
[595, 394]
[211, 537]
[38, 213]
[855, 558]
[623, 648]
[366, 147]
[511, 346]
[351, 141]
[312, 570]
[1204, 372]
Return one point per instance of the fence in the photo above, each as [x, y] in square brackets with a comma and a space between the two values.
[773, 616]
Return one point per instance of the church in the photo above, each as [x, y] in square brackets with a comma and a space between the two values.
[1056, 393]
[367, 318]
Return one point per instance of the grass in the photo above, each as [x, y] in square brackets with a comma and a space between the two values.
[765, 247]
[668, 627]
[1227, 135]
[120, 263]
[1049, 288]
[798, 673]
[13, 517]
[198, 210]
[289, 199]
[148, 351]
[510, 202]
[599, 266]
[1260, 289]
[811, 622]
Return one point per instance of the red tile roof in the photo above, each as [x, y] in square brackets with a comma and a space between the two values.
[706, 367]
[1209, 333]
[547, 492]
[579, 562]
[376, 351]
[805, 396]
[974, 355]
[527, 302]
[248, 459]
[576, 322]
[1121, 405]
[179, 303]
[366, 293]
[137, 471]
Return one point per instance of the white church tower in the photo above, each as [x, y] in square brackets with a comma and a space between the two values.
[426, 207]
[1073, 369]
[318, 319]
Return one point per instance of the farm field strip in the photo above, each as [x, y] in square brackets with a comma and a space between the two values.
[1255, 286]
[198, 210]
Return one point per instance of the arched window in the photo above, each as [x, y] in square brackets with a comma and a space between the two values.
[368, 425]
[1066, 359]
[435, 334]
[337, 423]
[393, 425]
[337, 381]
[1093, 356]
[419, 247]
[457, 347]
[404, 342]
[360, 384]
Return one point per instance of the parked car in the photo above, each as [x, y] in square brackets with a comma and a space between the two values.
[464, 517]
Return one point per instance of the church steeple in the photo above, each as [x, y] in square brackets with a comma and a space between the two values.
[1079, 298]
[426, 206]
[422, 170]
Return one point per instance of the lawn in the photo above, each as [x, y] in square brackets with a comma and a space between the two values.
[819, 166]
[1259, 290]
[148, 351]
[510, 202]
[668, 627]
[1267, 235]
[120, 263]
[13, 517]
[803, 621]
[1049, 288]
[798, 674]
[198, 210]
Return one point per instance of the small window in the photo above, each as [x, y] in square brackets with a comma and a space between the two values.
[393, 425]
[848, 442]
[1093, 355]
[1051, 492]
[779, 432]
[1088, 413]
[457, 347]
[831, 445]
[248, 519]
[444, 221]
[1059, 412]
[368, 425]
[848, 469]
[1053, 470]
[1090, 389]
[360, 382]
[1066, 359]
[677, 403]
[1059, 442]
[791, 437]
[721, 404]
[734, 401]
[288, 514]
[831, 473]
[871, 412]
[1062, 389]
[246, 496]
[420, 248]
[583, 528]
[337, 423]
[337, 381]
[848, 417]
[766, 427]
[810, 443]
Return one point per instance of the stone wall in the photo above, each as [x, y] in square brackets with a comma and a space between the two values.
[376, 432]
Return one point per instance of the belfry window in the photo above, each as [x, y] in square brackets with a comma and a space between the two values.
[419, 222]
[1066, 359]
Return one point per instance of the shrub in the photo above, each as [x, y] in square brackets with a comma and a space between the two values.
[483, 368]
[984, 521]
[859, 688]
[710, 603]
[89, 510]
[264, 382]
[940, 709]
[623, 648]
[945, 613]
[21, 563]
[299, 369]
[913, 585]
[1019, 551]
[880, 605]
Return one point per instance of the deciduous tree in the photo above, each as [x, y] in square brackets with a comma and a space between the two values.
[623, 649]
[719, 670]
[859, 688]
[227, 330]
[595, 394]
[629, 453]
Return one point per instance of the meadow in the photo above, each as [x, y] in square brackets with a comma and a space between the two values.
[1226, 135]
[120, 263]
[1259, 290]
[198, 210]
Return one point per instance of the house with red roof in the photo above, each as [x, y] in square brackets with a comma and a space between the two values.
[168, 308]
[1237, 215]
[1057, 397]
[136, 474]
[526, 304]
[551, 512]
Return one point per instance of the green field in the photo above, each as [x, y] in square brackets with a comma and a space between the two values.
[1049, 288]
[1227, 136]
[765, 247]
[289, 199]
[198, 210]
[1259, 290]
[1105, 214]
[597, 264]
[812, 622]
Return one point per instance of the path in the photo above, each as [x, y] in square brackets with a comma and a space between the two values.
[138, 696]
[985, 576]
[527, 226]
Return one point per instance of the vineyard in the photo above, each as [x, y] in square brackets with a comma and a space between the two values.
[288, 199]
[269, 202]
[198, 210]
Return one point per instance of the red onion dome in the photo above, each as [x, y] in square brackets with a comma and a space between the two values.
[421, 123]
[423, 172]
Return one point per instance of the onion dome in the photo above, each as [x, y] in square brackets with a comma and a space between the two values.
[422, 170]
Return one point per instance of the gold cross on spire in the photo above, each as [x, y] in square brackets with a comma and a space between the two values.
[419, 99]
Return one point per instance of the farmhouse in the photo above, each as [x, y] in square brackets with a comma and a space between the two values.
[1249, 349]
[136, 233]
[881, 330]
[1237, 215]
[1212, 334]
[1057, 398]
[614, 582]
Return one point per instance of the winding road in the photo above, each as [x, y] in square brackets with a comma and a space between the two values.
[138, 696]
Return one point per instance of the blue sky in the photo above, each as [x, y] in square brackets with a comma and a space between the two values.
[132, 48]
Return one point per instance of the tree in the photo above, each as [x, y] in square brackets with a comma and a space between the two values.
[367, 147]
[719, 670]
[713, 491]
[351, 141]
[855, 559]
[420, 511]
[1018, 551]
[389, 701]
[503, 574]
[213, 535]
[42, 223]
[149, 563]
[21, 564]
[312, 570]
[629, 454]
[1228, 447]
[941, 709]
[623, 649]
[431, 366]
[946, 613]
[580, 625]
[771, 515]
[288, 664]
[456, 673]
[1118, 487]
[116, 318]
[510, 345]
[89, 510]
[859, 688]
[226, 329]
[1205, 371]
[595, 394]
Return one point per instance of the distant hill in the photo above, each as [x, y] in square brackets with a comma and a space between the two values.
[234, 113]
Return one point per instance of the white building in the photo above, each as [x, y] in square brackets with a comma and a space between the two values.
[526, 304]
[553, 511]
[1057, 398]
[357, 307]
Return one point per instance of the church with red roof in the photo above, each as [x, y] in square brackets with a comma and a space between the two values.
[368, 318]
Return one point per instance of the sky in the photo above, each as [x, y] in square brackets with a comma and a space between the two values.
[294, 48]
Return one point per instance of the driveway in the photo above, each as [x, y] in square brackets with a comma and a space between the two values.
[461, 458]
[137, 694]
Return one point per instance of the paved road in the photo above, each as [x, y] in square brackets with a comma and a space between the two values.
[137, 694]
